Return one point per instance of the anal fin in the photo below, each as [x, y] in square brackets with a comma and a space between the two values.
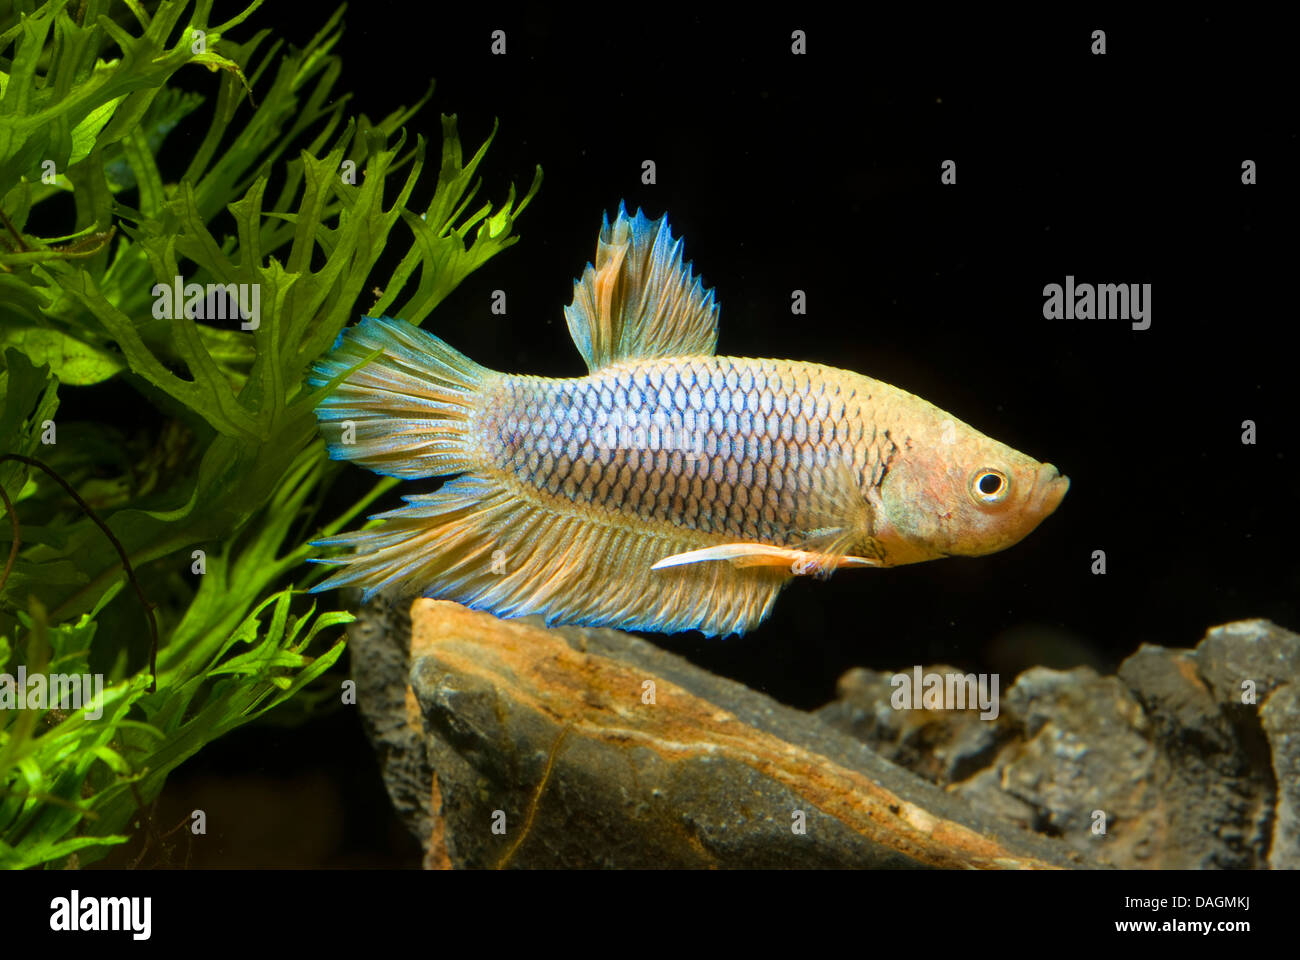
[477, 542]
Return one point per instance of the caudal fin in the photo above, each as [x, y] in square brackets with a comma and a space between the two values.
[405, 411]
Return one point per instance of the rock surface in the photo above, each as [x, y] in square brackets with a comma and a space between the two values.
[1186, 759]
[1281, 719]
[504, 743]
[507, 744]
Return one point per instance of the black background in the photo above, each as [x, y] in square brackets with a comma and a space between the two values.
[821, 173]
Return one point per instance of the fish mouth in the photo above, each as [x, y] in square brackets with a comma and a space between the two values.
[1049, 489]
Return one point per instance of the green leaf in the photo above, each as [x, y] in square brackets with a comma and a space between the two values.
[84, 133]
[30, 399]
[71, 360]
[237, 473]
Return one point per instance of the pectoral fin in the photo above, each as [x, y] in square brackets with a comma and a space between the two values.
[764, 555]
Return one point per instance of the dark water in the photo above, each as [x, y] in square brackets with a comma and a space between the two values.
[821, 173]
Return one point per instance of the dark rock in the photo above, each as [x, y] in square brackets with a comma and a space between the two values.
[1248, 650]
[1213, 785]
[1280, 717]
[379, 639]
[1082, 751]
[1173, 756]
[942, 746]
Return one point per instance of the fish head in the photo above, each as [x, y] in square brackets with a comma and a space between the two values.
[952, 491]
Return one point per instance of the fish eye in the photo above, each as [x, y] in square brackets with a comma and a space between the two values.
[989, 485]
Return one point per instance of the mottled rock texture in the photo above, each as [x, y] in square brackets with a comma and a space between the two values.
[1185, 759]
[506, 744]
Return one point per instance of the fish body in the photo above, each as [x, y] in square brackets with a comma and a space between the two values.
[669, 488]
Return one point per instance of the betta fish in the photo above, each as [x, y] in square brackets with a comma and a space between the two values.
[669, 488]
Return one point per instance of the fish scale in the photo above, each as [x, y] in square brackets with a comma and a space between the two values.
[667, 489]
[723, 445]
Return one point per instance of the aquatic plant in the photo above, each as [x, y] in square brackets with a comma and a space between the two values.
[206, 521]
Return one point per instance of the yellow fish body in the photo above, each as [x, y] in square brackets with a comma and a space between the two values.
[668, 489]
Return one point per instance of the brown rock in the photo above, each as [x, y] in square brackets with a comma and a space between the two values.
[586, 747]
[1281, 720]
[578, 747]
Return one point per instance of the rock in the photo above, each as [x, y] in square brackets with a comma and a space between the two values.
[1281, 719]
[508, 744]
[389, 713]
[1082, 750]
[1248, 650]
[579, 747]
[1213, 789]
[943, 747]
[1189, 759]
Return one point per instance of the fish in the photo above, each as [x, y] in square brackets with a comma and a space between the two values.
[669, 488]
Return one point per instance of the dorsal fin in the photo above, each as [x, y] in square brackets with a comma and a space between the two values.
[639, 299]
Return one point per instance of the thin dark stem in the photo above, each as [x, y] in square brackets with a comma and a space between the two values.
[126, 563]
[18, 536]
[10, 227]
